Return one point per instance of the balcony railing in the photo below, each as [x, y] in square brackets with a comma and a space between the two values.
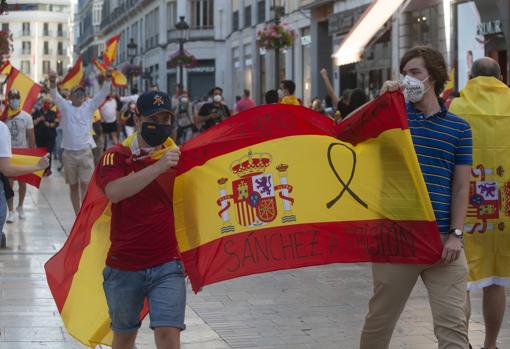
[201, 33]
[47, 52]
[26, 51]
[47, 33]
[24, 33]
[61, 52]
[61, 33]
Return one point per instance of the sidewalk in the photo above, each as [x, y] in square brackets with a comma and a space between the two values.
[317, 307]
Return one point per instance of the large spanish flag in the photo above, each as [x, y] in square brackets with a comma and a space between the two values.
[29, 157]
[270, 188]
[118, 79]
[110, 52]
[485, 104]
[273, 188]
[27, 88]
[74, 76]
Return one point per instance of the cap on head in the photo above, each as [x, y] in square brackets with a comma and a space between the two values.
[13, 94]
[153, 102]
[77, 88]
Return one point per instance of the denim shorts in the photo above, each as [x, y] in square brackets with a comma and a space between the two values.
[162, 285]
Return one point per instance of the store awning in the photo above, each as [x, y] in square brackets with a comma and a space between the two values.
[351, 50]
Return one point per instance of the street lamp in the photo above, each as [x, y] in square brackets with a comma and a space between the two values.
[279, 11]
[132, 49]
[182, 36]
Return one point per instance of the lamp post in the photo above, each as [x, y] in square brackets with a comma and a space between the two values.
[279, 11]
[182, 36]
[132, 48]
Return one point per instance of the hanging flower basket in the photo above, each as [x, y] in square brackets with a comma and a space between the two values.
[129, 69]
[182, 58]
[5, 43]
[276, 36]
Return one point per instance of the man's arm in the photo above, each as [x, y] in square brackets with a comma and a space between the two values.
[127, 186]
[31, 137]
[99, 98]
[459, 205]
[55, 96]
[11, 170]
[329, 88]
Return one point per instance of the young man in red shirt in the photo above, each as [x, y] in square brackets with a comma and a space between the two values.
[144, 260]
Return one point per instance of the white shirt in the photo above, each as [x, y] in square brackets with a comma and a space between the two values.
[76, 122]
[18, 127]
[128, 99]
[5, 141]
[109, 111]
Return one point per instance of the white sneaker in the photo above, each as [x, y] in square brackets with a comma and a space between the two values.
[21, 213]
[12, 217]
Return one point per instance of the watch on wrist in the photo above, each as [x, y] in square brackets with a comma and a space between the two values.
[458, 233]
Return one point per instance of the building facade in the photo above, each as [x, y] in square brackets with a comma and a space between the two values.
[42, 36]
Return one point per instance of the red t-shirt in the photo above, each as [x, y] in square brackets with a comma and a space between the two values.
[142, 230]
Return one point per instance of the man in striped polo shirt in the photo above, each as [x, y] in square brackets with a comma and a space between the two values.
[444, 148]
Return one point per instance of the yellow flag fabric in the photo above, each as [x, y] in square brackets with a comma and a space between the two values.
[74, 76]
[485, 104]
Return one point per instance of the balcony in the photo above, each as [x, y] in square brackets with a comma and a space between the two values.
[26, 51]
[120, 12]
[47, 33]
[61, 34]
[195, 34]
[48, 52]
[61, 52]
[24, 33]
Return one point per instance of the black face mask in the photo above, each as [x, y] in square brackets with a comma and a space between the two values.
[155, 134]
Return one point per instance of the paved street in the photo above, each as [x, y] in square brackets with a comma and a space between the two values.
[320, 307]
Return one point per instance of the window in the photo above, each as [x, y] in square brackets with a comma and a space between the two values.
[261, 11]
[247, 16]
[26, 28]
[235, 21]
[96, 12]
[60, 31]
[171, 15]
[46, 48]
[26, 47]
[46, 30]
[152, 29]
[5, 27]
[60, 67]
[60, 49]
[202, 15]
[46, 67]
[25, 67]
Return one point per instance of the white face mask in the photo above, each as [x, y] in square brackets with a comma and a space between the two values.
[217, 98]
[414, 89]
[280, 93]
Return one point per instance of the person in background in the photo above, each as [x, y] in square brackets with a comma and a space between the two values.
[154, 87]
[133, 97]
[97, 134]
[286, 93]
[245, 102]
[129, 118]
[7, 169]
[317, 105]
[21, 127]
[109, 116]
[214, 112]
[45, 127]
[184, 118]
[357, 99]
[271, 97]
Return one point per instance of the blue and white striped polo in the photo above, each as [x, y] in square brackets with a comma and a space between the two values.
[441, 141]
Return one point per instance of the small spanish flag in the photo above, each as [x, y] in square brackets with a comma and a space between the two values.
[118, 79]
[110, 51]
[27, 88]
[74, 76]
[29, 157]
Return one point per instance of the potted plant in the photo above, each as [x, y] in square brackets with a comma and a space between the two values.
[276, 36]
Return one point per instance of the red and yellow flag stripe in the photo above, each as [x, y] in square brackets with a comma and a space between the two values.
[74, 76]
[110, 52]
[29, 157]
[118, 79]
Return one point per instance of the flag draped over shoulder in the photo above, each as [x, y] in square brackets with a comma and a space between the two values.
[74, 76]
[273, 188]
[29, 157]
[74, 274]
[485, 104]
[27, 88]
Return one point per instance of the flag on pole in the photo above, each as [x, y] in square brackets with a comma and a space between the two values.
[110, 52]
[27, 88]
[29, 157]
[74, 76]
[118, 79]
[270, 188]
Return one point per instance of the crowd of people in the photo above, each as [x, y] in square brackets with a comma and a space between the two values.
[80, 129]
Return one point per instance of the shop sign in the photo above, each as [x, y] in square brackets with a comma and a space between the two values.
[199, 69]
[490, 27]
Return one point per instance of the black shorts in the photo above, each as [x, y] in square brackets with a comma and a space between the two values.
[109, 127]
